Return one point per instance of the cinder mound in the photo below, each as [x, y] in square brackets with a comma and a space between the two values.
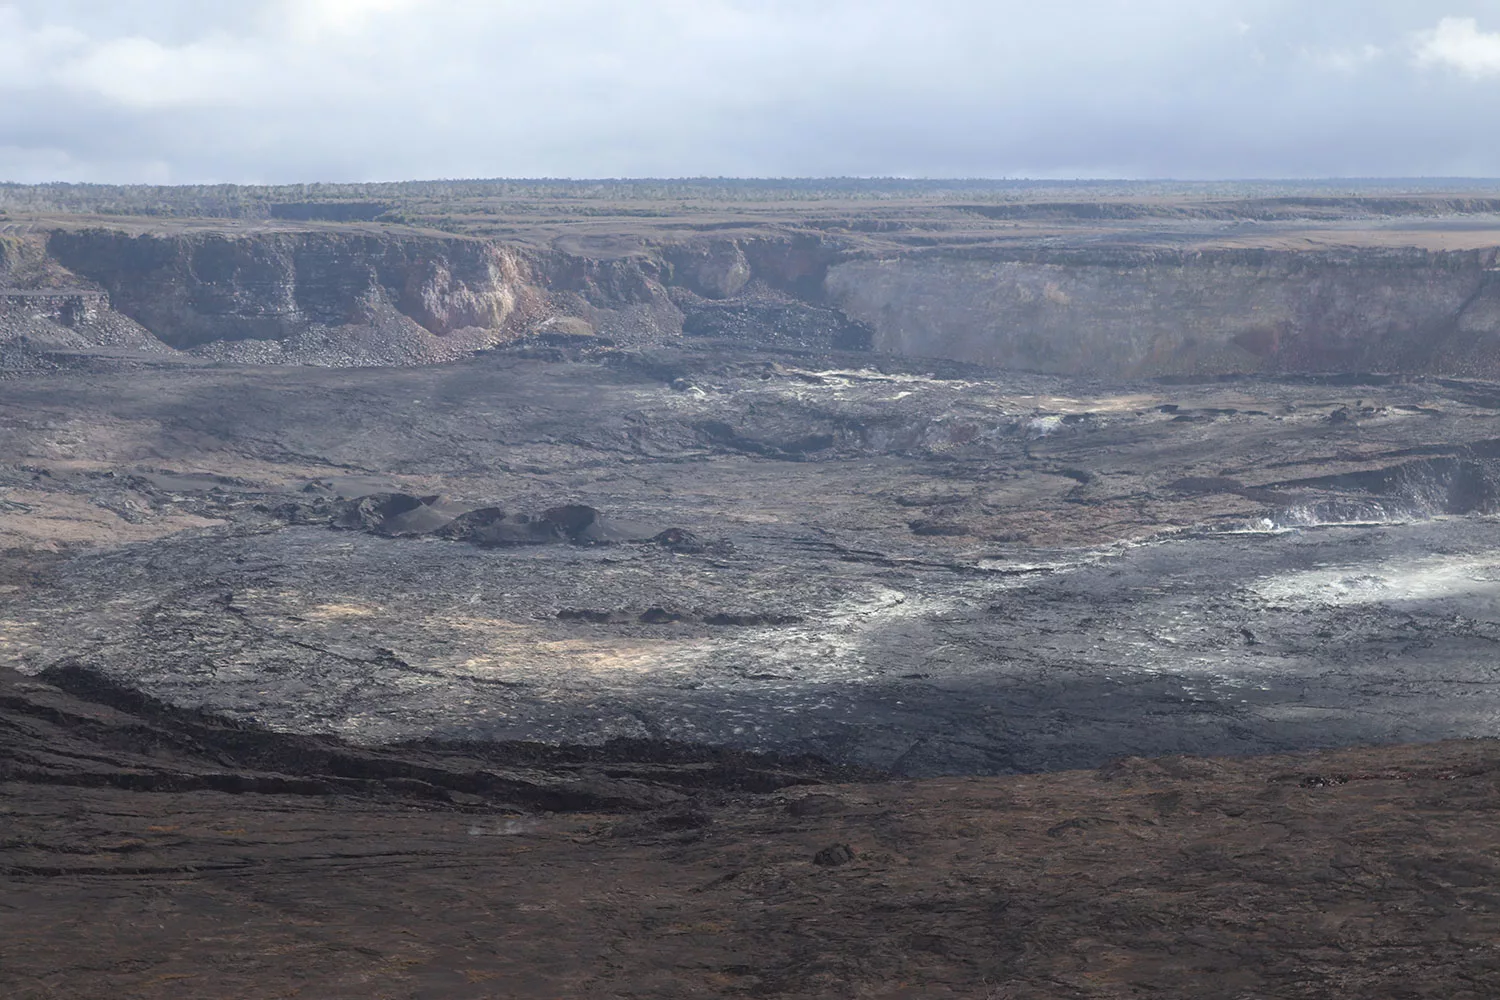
[403, 515]
[577, 524]
[393, 514]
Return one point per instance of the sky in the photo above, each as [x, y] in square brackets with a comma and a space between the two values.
[283, 91]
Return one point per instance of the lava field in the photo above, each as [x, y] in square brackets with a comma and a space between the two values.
[944, 571]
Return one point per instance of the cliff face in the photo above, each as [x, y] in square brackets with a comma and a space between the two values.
[368, 297]
[1224, 312]
[193, 290]
[43, 305]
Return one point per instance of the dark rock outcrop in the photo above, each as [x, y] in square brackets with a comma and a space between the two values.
[575, 523]
[402, 298]
[401, 514]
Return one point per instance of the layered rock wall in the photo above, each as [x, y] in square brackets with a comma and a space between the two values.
[370, 297]
[66, 307]
[195, 289]
[43, 306]
[1192, 313]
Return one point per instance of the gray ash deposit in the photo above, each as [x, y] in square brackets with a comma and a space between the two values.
[916, 567]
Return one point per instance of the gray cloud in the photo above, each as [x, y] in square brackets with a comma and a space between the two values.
[287, 90]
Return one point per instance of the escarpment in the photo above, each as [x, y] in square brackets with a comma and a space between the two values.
[1111, 304]
[378, 297]
[1185, 313]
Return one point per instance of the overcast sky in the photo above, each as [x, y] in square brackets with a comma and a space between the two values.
[299, 90]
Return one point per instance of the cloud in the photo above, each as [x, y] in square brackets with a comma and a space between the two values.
[142, 73]
[1458, 44]
[301, 50]
[290, 90]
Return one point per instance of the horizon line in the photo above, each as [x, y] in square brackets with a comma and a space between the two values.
[784, 179]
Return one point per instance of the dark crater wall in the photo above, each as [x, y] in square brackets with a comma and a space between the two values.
[1142, 313]
[1110, 311]
[191, 290]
